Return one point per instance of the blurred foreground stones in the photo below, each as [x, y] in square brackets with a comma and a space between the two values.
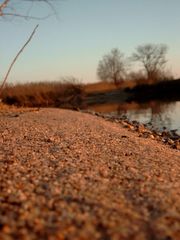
[71, 175]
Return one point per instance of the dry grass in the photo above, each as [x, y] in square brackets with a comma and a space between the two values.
[14, 110]
[3, 107]
[106, 86]
[67, 94]
[130, 82]
[44, 94]
[99, 87]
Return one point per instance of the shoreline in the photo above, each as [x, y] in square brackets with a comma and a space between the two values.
[170, 138]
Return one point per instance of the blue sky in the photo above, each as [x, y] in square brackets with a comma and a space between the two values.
[72, 43]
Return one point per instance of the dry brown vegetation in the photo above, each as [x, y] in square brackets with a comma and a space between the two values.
[67, 94]
[106, 86]
[44, 94]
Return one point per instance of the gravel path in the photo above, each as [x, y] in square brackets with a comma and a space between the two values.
[70, 175]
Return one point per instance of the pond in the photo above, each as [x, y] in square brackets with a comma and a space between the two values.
[157, 115]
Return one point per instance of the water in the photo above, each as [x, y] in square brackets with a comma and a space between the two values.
[159, 115]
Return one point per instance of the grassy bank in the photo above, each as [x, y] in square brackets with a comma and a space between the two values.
[55, 94]
[75, 95]
[44, 94]
[134, 91]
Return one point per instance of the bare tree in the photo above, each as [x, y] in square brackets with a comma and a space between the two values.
[153, 59]
[112, 67]
[137, 77]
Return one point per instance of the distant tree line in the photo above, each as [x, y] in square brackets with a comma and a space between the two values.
[114, 67]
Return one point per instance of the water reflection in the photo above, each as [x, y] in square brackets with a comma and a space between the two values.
[161, 115]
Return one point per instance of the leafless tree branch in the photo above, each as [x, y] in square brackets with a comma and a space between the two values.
[153, 59]
[7, 5]
[15, 59]
[9, 8]
[3, 6]
[26, 16]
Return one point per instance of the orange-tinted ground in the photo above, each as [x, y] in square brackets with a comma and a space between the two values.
[71, 175]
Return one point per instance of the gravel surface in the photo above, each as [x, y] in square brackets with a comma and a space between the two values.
[71, 175]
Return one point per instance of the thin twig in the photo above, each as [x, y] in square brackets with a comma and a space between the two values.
[5, 3]
[15, 59]
[25, 16]
[2, 6]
